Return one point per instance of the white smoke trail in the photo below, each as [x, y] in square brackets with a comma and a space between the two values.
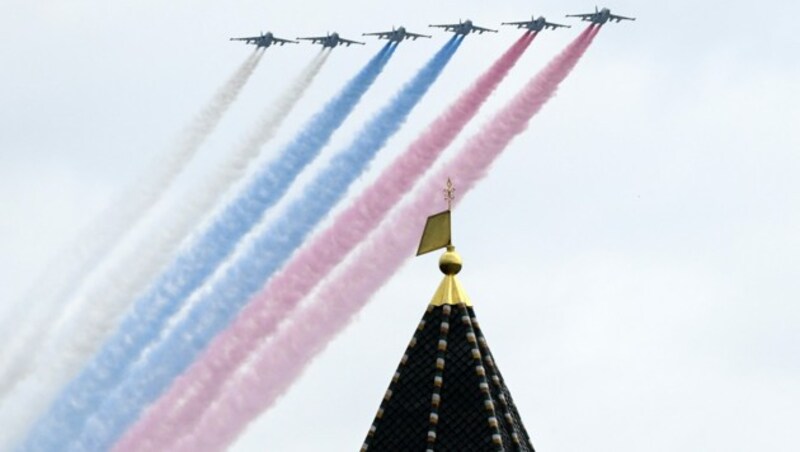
[47, 302]
[60, 353]
[97, 312]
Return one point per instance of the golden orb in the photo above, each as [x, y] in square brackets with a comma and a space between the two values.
[450, 262]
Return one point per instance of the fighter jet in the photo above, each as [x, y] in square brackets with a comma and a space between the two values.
[396, 35]
[464, 28]
[264, 40]
[536, 24]
[331, 40]
[600, 17]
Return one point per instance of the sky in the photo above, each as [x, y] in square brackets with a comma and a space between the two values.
[632, 257]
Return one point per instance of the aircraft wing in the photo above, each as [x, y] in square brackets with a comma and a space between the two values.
[314, 39]
[522, 24]
[447, 27]
[417, 35]
[587, 16]
[283, 41]
[348, 42]
[614, 17]
[482, 30]
[554, 26]
[379, 34]
[250, 40]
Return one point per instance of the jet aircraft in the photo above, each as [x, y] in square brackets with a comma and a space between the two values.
[538, 24]
[600, 17]
[331, 40]
[464, 28]
[264, 40]
[396, 35]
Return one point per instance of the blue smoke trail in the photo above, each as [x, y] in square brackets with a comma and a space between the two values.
[216, 307]
[83, 395]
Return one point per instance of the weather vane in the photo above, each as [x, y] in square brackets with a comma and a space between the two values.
[436, 233]
[449, 193]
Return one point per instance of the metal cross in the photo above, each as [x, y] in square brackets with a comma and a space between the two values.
[449, 195]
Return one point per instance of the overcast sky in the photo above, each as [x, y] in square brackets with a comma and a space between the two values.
[634, 257]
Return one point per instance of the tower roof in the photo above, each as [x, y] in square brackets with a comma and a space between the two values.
[447, 393]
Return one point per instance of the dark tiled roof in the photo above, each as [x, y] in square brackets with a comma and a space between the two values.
[447, 394]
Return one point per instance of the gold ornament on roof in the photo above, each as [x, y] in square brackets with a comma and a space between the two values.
[437, 235]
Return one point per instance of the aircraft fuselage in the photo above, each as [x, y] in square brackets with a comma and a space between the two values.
[265, 40]
[463, 28]
[332, 40]
[397, 35]
[537, 25]
[602, 17]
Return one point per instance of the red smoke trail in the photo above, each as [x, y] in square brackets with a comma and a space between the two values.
[183, 405]
[280, 361]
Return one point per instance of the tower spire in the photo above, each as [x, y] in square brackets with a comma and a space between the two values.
[447, 392]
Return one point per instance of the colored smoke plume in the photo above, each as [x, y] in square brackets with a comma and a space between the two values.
[282, 359]
[193, 265]
[177, 410]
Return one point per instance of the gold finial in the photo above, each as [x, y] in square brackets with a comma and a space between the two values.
[435, 236]
[449, 193]
[450, 290]
[450, 263]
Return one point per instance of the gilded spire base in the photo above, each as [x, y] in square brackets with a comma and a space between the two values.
[450, 290]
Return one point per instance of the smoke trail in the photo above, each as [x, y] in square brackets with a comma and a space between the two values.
[100, 308]
[217, 305]
[193, 265]
[48, 298]
[281, 360]
[176, 411]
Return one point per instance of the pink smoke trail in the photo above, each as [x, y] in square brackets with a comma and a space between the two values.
[182, 406]
[280, 361]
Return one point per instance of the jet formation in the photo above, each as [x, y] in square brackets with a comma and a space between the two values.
[463, 28]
